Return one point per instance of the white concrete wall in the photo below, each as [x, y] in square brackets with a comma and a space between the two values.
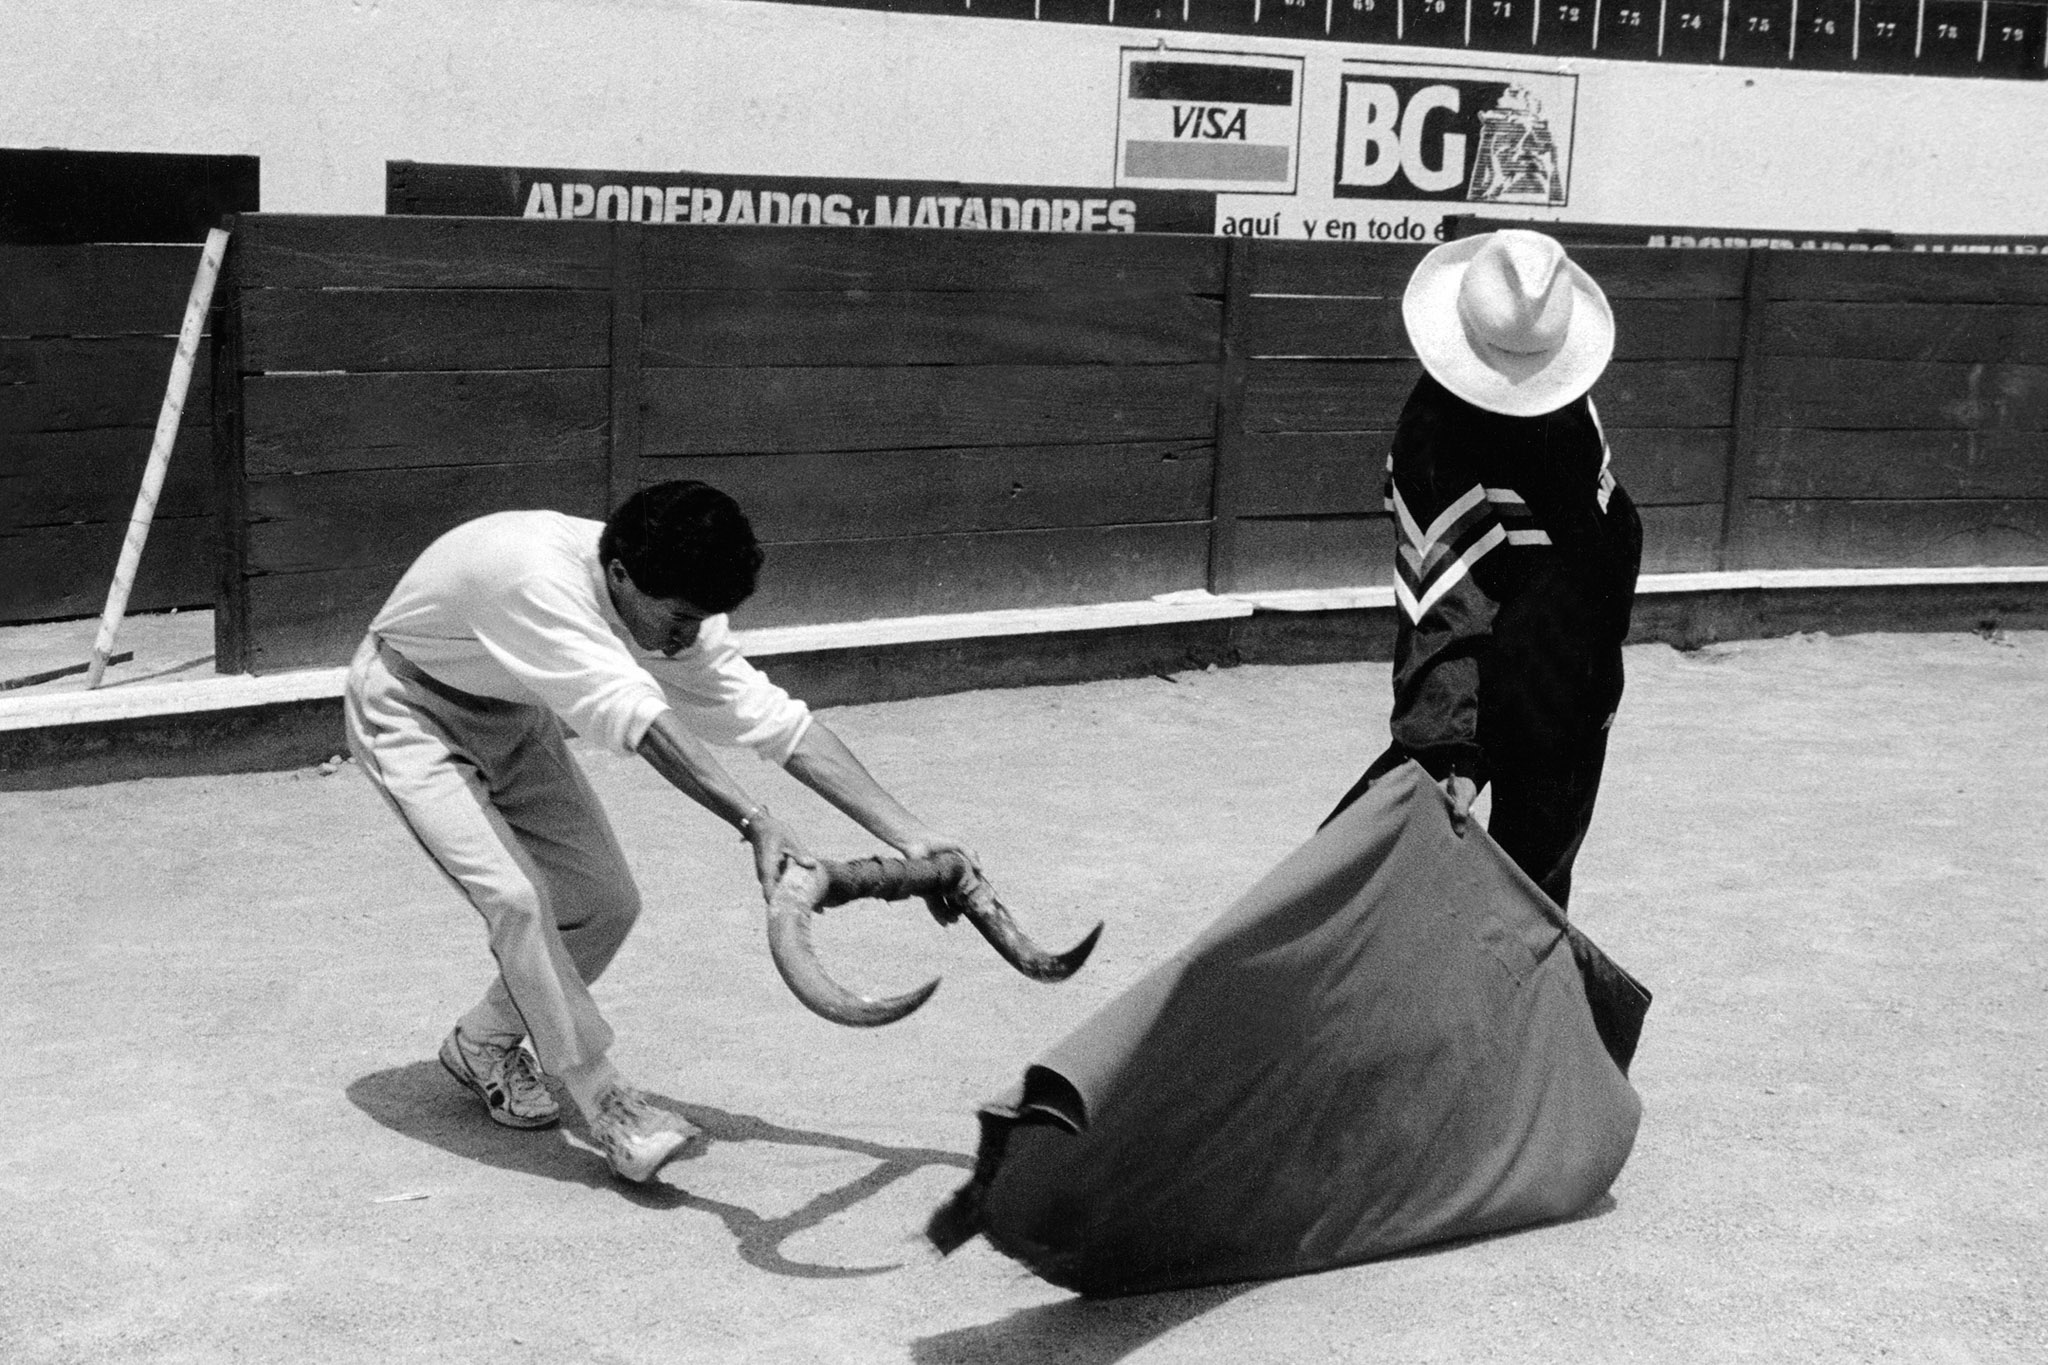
[325, 91]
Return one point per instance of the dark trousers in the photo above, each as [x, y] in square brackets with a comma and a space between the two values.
[1542, 808]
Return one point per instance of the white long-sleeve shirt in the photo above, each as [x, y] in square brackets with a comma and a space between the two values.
[514, 606]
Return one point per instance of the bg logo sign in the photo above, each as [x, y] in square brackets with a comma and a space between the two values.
[1418, 132]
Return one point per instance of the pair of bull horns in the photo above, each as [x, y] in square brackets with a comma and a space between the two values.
[950, 887]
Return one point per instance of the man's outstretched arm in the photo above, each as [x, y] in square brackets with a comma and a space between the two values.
[823, 763]
[692, 769]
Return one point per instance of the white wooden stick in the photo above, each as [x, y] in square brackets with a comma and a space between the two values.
[167, 420]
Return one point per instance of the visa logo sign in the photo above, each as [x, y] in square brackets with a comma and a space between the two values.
[1209, 120]
[1212, 122]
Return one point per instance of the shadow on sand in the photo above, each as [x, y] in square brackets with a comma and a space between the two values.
[419, 1102]
[1074, 1331]
[1100, 1331]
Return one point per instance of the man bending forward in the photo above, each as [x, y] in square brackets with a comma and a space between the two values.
[508, 632]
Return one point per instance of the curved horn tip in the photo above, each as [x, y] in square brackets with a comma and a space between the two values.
[789, 946]
[1072, 959]
[868, 1011]
[829, 1000]
[1020, 952]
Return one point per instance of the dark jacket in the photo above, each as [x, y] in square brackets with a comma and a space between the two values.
[1516, 556]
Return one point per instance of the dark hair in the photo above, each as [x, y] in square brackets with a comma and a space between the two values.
[684, 539]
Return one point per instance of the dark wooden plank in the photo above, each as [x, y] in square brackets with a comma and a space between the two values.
[304, 620]
[230, 470]
[1752, 390]
[1325, 328]
[1794, 463]
[802, 258]
[846, 495]
[1314, 473]
[1365, 270]
[927, 327]
[853, 580]
[315, 423]
[52, 478]
[1809, 391]
[1227, 480]
[1338, 395]
[1326, 395]
[1367, 395]
[66, 195]
[95, 290]
[1661, 466]
[715, 411]
[48, 573]
[1910, 277]
[1317, 473]
[68, 384]
[313, 620]
[1371, 329]
[626, 323]
[1684, 539]
[424, 329]
[1635, 272]
[1667, 393]
[1863, 533]
[1279, 553]
[1677, 329]
[324, 251]
[359, 519]
[1952, 332]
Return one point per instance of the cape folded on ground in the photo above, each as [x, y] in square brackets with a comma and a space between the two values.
[1393, 1039]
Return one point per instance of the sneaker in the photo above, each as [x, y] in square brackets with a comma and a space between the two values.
[504, 1078]
[638, 1139]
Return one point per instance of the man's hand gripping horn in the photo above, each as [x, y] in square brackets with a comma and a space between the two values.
[950, 888]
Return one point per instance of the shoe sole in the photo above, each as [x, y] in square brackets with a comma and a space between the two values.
[504, 1118]
[683, 1140]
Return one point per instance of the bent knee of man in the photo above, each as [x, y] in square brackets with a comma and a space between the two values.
[597, 903]
[512, 911]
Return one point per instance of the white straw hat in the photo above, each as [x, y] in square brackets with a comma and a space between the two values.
[1508, 323]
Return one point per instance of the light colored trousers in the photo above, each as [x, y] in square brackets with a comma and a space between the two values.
[493, 795]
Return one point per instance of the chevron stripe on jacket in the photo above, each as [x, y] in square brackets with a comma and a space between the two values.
[1512, 539]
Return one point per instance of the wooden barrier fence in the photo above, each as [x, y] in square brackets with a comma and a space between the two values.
[1327, 365]
[86, 338]
[1901, 414]
[941, 422]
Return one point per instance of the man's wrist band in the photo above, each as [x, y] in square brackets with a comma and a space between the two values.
[748, 821]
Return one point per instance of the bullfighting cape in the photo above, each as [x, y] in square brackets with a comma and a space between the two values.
[1393, 1039]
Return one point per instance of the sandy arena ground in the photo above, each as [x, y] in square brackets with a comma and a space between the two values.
[229, 1139]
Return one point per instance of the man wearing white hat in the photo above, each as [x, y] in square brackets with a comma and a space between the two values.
[1516, 552]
